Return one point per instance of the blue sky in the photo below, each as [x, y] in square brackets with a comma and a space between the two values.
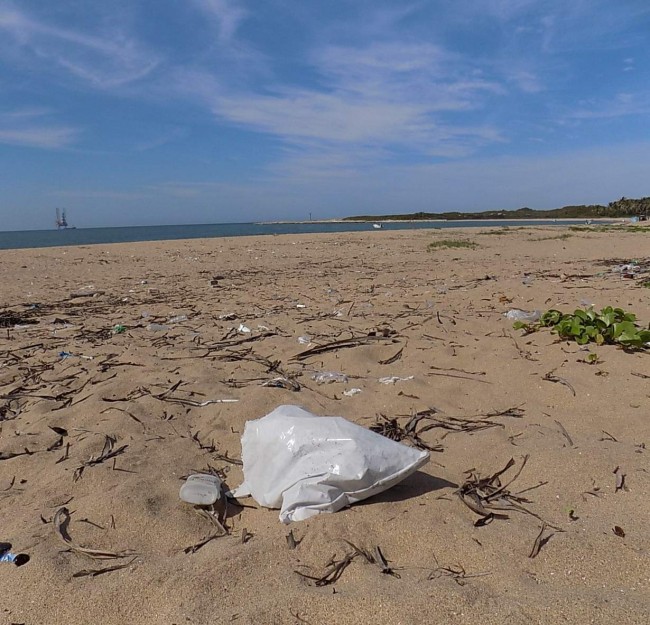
[203, 111]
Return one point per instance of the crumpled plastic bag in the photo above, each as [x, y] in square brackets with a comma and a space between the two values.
[305, 464]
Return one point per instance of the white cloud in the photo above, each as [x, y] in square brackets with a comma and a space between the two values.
[106, 60]
[622, 105]
[39, 136]
[229, 14]
[26, 127]
[527, 81]
[100, 194]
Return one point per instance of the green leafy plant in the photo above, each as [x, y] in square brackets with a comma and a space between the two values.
[610, 325]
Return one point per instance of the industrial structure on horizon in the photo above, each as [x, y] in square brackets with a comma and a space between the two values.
[61, 221]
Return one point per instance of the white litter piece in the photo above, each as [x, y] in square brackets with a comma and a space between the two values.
[242, 329]
[352, 392]
[301, 306]
[201, 489]
[391, 379]
[305, 464]
[522, 315]
[304, 340]
[328, 377]
[228, 316]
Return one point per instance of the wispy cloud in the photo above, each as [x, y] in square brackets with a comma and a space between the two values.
[28, 127]
[228, 15]
[103, 194]
[622, 105]
[38, 137]
[104, 60]
[382, 95]
[165, 137]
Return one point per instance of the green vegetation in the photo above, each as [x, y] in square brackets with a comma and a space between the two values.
[557, 237]
[611, 325]
[611, 228]
[502, 230]
[625, 207]
[451, 243]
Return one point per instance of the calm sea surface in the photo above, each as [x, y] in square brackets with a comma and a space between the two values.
[89, 236]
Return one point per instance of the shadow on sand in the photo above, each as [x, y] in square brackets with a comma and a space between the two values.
[414, 485]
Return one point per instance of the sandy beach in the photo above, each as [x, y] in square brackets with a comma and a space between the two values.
[113, 349]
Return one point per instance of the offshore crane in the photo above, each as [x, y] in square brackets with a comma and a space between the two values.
[61, 221]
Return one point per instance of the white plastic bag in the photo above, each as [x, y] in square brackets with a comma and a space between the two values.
[305, 464]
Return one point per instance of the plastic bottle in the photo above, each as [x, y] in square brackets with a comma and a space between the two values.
[15, 558]
[201, 489]
[522, 315]
[157, 327]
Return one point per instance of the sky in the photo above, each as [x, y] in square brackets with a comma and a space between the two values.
[138, 112]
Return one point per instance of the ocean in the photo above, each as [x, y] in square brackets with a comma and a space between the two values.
[89, 236]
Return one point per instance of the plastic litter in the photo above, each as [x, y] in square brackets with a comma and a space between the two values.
[242, 329]
[328, 377]
[521, 315]
[66, 355]
[157, 327]
[391, 379]
[12, 558]
[201, 489]
[352, 392]
[305, 464]
[304, 340]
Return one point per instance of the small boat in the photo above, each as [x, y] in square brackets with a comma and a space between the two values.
[377, 226]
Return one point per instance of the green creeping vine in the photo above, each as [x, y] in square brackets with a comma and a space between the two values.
[610, 325]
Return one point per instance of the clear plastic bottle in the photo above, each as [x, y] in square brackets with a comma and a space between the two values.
[522, 315]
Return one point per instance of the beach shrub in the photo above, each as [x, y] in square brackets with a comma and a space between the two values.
[610, 325]
[451, 243]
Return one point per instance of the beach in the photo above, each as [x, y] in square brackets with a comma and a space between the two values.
[119, 351]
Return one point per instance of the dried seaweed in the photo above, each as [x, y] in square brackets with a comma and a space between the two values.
[7, 455]
[456, 572]
[109, 451]
[390, 428]
[540, 541]
[61, 521]
[341, 344]
[218, 521]
[334, 569]
[108, 569]
[620, 480]
[290, 384]
[392, 359]
[292, 542]
[565, 433]
[549, 377]
[488, 496]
